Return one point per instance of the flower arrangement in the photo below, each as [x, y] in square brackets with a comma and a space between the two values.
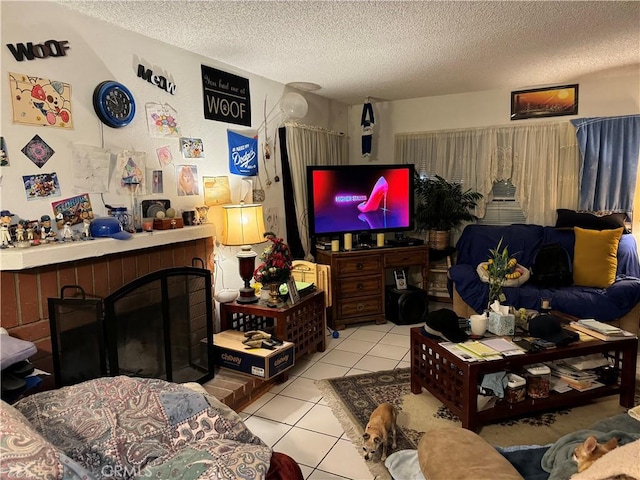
[276, 262]
[500, 267]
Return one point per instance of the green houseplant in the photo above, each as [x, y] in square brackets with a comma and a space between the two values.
[442, 206]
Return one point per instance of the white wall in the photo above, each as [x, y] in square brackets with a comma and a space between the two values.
[606, 94]
[98, 51]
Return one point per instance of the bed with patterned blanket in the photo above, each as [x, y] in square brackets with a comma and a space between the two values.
[126, 427]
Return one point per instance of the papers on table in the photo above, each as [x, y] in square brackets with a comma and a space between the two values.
[483, 350]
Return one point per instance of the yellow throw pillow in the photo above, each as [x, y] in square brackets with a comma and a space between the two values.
[595, 257]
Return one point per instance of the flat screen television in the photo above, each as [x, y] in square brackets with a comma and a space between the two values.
[359, 199]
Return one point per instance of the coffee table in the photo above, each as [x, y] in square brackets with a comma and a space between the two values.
[454, 381]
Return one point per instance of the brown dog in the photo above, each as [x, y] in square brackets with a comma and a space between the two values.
[381, 422]
[589, 451]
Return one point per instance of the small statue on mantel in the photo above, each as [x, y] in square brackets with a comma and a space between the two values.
[86, 229]
[5, 223]
[46, 230]
[67, 233]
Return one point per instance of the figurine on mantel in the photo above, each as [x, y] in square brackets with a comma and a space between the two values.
[5, 223]
[67, 233]
[86, 229]
[46, 231]
[32, 232]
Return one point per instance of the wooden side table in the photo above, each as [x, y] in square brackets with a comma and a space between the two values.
[303, 323]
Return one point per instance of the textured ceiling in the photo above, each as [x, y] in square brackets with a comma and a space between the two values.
[391, 50]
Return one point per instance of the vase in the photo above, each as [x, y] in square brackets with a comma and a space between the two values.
[274, 294]
[495, 290]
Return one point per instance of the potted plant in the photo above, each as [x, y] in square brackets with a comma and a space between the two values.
[442, 206]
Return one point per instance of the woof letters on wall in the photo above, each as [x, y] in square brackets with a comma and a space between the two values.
[226, 97]
[50, 48]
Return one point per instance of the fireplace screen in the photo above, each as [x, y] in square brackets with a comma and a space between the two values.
[154, 327]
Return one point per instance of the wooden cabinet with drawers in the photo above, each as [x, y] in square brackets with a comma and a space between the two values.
[358, 280]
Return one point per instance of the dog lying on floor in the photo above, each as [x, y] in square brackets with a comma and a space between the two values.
[382, 422]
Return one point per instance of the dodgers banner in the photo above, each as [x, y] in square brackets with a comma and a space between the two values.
[243, 152]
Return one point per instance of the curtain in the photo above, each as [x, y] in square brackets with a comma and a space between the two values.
[541, 160]
[305, 146]
[609, 148]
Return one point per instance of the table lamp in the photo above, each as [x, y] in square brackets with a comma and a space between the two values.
[243, 225]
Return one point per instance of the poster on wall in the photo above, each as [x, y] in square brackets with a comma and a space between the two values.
[165, 157]
[243, 152]
[162, 120]
[4, 154]
[191, 147]
[186, 176]
[40, 101]
[216, 190]
[74, 210]
[38, 151]
[157, 185]
[90, 168]
[226, 97]
[129, 173]
[41, 185]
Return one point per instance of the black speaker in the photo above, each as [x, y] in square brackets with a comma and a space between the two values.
[405, 307]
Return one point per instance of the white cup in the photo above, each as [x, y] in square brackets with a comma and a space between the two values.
[478, 324]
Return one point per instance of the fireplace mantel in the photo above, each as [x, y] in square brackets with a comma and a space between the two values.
[13, 259]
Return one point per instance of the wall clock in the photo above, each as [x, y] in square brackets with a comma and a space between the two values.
[114, 104]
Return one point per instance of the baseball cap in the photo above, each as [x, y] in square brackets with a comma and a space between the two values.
[549, 327]
[444, 323]
[108, 227]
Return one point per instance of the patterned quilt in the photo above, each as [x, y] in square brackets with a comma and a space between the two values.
[125, 427]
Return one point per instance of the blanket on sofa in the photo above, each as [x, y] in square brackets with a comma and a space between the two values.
[124, 427]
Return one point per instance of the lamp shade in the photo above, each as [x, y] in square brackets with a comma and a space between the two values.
[242, 224]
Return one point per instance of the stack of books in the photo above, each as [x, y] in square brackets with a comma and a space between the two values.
[580, 380]
[600, 330]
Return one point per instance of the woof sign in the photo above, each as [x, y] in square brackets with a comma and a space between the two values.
[50, 48]
[226, 97]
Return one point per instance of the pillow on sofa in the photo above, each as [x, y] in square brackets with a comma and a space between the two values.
[589, 221]
[595, 257]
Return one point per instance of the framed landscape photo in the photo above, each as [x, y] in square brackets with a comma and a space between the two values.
[544, 102]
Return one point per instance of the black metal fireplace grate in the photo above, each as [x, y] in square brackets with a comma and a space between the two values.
[153, 327]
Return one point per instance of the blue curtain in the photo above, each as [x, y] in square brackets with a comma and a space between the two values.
[609, 148]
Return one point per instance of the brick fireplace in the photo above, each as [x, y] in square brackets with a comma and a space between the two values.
[24, 291]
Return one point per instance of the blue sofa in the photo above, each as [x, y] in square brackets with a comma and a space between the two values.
[619, 303]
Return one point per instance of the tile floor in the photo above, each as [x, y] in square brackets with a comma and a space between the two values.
[294, 419]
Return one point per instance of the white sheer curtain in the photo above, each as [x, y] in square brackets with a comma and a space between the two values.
[541, 160]
[307, 145]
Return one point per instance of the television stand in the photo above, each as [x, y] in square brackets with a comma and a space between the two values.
[358, 280]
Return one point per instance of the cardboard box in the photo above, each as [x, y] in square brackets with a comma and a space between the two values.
[501, 324]
[167, 223]
[230, 352]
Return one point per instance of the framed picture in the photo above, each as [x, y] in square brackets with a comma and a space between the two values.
[294, 296]
[544, 102]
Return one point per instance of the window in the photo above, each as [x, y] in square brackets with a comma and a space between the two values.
[503, 209]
